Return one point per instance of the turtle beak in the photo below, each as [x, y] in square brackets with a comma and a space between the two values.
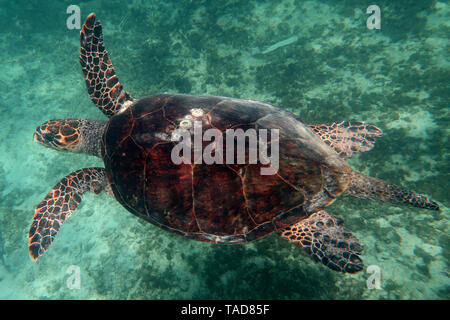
[37, 137]
[44, 136]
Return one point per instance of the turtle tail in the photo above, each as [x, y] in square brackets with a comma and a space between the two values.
[363, 186]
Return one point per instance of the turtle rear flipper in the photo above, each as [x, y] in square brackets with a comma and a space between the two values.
[328, 241]
[347, 137]
[59, 204]
[363, 186]
[101, 80]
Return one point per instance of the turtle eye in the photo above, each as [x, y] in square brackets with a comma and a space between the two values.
[44, 134]
[49, 137]
[53, 129]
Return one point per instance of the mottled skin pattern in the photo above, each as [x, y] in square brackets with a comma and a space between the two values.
[366, 187]
[328, 241]
[64, 134]
[59, 204]
[101, 80]
[76, 135]
[219, 203]
[348, 137]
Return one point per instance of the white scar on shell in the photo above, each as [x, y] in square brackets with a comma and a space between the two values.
[175, 136]
[162, 136]
[196, 112]
[185, 124]
[125, 106]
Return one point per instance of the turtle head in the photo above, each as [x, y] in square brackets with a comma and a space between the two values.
[62, 134]
[76, 135]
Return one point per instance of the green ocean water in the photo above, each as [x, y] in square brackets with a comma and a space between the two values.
[330, 68]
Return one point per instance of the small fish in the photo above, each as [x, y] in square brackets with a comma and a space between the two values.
[275, 46]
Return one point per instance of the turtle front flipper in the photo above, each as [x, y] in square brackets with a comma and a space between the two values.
[59, 204]
[347, 137]
[101, 80]
[328, 241]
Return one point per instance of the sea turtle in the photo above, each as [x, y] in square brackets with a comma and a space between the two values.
[228, 202]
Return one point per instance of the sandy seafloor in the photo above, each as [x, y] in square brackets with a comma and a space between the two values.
[396, 78]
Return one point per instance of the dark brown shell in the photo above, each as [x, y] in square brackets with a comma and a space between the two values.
[217, 203]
